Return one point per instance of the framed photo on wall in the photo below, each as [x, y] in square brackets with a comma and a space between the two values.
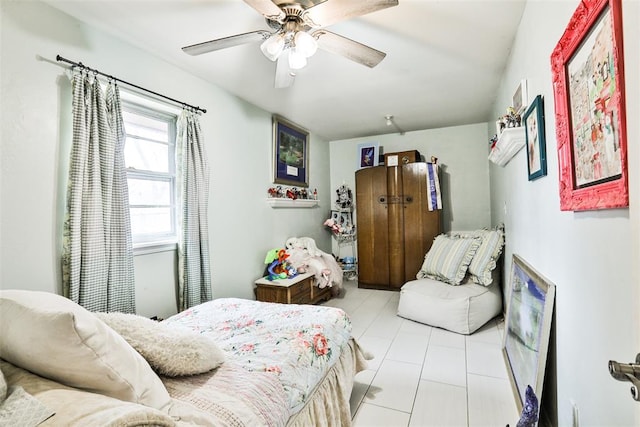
[536, 145]
[527, 329]
[367, 155]
[520, 99]
[588, 80]
[290, 153]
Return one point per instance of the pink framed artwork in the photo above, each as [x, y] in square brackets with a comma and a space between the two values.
[588, 83]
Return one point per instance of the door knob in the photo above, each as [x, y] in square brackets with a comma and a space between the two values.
[627, 372]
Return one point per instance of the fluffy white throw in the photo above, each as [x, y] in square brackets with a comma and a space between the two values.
[170, 350]
[304, 254]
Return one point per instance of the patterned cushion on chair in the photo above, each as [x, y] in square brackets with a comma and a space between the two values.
[449, 258]
[486, 257]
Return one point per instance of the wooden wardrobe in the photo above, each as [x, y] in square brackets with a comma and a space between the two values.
[395, 228]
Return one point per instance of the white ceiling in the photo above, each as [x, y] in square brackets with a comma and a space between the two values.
[444, 59]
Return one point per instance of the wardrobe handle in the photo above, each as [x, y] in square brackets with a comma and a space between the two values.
[382, 199]
[408, 199]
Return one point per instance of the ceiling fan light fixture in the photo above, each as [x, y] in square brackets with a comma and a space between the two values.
[297, 60]
[296, 32]
[305, 43]
[273, 46]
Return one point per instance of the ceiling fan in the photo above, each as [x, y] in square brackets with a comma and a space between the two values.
[298, 31]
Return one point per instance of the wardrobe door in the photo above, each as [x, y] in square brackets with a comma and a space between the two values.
[372, 227]
[421, 226]
[395, 208]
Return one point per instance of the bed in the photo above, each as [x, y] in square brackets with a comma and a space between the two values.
[283, 365]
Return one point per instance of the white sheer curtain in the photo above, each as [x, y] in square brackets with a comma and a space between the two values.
[97, 259]
[194, 275]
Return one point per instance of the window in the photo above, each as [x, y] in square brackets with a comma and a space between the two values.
[149, 154]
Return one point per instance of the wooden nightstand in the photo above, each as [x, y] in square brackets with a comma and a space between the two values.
[298, 290]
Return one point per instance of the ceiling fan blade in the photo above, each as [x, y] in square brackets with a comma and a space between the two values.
[284, 76]
[358, 52]
[225, 42]
[333, 11]
[267, 8]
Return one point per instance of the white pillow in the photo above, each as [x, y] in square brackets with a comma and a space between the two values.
[56, 338]
[171, 350]
[448, 259]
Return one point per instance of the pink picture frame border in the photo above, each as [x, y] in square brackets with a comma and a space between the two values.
[613, 193]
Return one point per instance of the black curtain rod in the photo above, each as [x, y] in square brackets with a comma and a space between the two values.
[80, 64]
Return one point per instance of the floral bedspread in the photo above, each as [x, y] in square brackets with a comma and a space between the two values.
[297, 343]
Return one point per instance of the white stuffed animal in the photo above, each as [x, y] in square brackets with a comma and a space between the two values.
[304, 243]
[305, 255]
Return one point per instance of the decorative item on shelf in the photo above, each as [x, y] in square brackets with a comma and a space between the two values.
[510, 120]
[333, 226]
[520, 98]
[340, 225]
[368, 155]
[345, 197]
[291, 197]
[275, 192]
[402, 158]
[293, 193]
[493, 141]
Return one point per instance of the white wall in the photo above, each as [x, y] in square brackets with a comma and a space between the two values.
[462, 156]
[35, 138]
[592, 257]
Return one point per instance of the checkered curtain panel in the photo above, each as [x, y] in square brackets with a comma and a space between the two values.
[194, 274]
[97, 259]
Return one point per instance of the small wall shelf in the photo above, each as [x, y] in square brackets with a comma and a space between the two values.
[511, 140]
[290, 203]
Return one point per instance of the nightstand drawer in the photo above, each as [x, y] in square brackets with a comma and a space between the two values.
[300, 292]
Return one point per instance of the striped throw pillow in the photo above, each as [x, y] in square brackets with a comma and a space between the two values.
[486, 257]
[449, 258]
[484, 261]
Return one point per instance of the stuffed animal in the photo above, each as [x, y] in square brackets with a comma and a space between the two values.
[304, 243]
[278, 267]
[333, 225]
[304, 255]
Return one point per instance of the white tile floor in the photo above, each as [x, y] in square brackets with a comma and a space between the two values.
[424, 376]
